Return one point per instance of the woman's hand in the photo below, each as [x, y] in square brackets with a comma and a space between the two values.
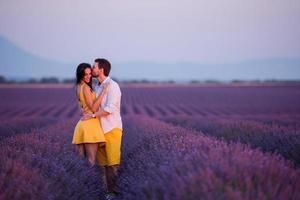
[98, 102]
[86, 116]
[84, 111]
[106, 87]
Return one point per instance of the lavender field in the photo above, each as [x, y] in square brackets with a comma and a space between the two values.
[179, 142]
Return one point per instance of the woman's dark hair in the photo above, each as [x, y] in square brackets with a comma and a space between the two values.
[80, 73]
[104, 64]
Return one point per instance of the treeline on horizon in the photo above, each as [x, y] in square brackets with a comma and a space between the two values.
[55, 80]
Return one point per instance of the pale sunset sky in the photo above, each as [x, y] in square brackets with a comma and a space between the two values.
[163, 31]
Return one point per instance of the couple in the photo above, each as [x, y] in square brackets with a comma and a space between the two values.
[98, 133]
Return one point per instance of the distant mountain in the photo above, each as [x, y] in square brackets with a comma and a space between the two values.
[17, 63]
[264, 69]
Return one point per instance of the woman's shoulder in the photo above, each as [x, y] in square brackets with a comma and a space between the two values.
[86, 87]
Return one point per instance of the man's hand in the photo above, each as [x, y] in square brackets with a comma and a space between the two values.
[86, 116]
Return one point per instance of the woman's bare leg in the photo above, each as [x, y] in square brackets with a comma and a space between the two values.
[80, 149]
[91, 151]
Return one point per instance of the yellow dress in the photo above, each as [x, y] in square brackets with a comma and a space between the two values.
[88, 131]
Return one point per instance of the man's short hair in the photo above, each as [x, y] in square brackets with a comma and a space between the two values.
[103, 64]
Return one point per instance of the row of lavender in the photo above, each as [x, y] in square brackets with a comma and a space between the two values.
[213, 101]
[271, 133]
[159, 161]
[158, 101]
[43, 164]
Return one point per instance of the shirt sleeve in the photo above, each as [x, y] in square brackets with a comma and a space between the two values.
[112, 103]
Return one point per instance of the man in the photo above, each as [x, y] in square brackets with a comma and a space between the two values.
[110, 118]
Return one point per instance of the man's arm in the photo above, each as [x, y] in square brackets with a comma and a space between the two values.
[113, 99]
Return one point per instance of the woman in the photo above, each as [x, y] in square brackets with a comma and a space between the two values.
[88, 134]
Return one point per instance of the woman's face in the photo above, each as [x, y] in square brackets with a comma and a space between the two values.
[87, 75]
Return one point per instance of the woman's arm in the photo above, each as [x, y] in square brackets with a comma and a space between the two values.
[111, 105]
[87, 93]
[99, 100]
[98, 114]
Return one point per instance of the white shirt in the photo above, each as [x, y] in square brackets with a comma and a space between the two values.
[111, 103]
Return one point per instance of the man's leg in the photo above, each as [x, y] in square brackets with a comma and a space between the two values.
[110, 155]
[111, 173]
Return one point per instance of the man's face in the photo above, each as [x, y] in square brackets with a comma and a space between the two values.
[96, 71]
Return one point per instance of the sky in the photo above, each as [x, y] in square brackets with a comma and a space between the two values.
[207, 32]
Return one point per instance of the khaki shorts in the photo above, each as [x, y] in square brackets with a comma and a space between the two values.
[110, 154]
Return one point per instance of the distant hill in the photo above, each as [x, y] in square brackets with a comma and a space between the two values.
[264, 69]
[17, 63]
